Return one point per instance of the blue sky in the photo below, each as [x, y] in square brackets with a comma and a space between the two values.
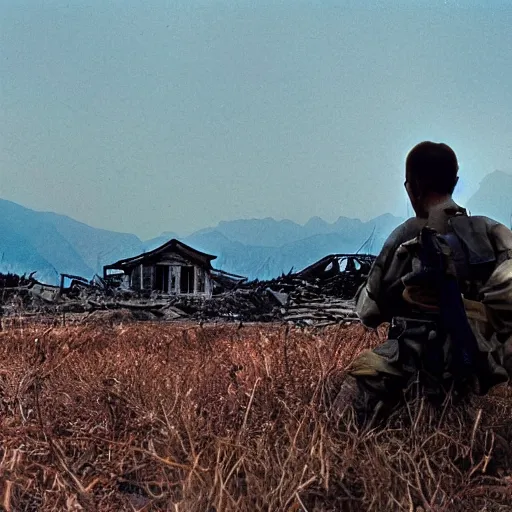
[171, 116]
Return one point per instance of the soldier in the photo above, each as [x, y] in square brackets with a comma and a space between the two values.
[444, 282]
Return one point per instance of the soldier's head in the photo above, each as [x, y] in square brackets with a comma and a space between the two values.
[430, 174]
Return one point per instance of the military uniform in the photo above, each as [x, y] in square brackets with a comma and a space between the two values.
[416, 346]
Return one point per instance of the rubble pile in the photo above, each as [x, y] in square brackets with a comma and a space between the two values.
[321, 294]
[245, 305]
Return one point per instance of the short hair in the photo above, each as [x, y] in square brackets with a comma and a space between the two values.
[432, 167]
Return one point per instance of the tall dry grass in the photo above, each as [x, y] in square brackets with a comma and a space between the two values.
[223, 418]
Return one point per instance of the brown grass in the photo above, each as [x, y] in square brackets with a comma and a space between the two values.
[222, 418]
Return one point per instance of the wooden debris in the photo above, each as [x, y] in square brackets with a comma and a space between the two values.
[320, 295]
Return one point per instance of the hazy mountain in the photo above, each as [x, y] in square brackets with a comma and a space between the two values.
[233, 256]
[19, 256]
[304, 248]
[259, 248]
[272, 233]
[494, 198]
[96, 247]
[30, 242]
[52, 244]
[262, 232]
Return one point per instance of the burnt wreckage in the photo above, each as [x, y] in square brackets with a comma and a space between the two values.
[340, 274]
[175, 281]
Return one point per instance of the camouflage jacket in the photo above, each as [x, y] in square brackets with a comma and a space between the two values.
[380, 299]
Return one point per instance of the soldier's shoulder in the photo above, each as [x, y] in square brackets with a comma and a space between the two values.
[482, 219]
[405, 231]
[482, 222]
[484, 236]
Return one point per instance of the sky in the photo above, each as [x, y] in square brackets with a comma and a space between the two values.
[146, 117]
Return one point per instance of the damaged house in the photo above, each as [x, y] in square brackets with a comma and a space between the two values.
[173, 268]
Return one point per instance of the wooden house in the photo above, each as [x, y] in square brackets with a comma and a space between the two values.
[174, 268]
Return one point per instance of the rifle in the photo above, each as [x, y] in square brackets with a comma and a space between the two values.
[438, 270]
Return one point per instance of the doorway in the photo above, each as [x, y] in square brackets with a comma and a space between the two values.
[162, 278]
[187, 279]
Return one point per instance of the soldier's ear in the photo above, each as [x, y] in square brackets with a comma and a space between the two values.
[415, 188]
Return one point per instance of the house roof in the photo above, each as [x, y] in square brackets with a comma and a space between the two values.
[173, 245]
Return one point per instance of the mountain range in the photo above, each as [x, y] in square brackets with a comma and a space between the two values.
[51, 244]
[494, 198]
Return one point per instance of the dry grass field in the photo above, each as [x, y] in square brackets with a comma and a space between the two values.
[183, 417]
